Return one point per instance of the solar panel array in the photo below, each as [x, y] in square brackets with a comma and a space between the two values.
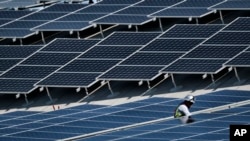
[18, 4]
[91, 119]
[233, 5]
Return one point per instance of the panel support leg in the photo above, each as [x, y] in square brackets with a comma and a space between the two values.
[148, 84]
[21, 42]
[221, 17]
[160, 24]
[197, 21]
[176, 88]
[112, 92]
[43, 38]
[78, 35]
[213, 81]
[26, 101]
[100, 26]
[136, 28]
[238, 77]
[50, 98]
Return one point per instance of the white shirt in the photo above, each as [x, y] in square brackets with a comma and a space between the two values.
[184, 109]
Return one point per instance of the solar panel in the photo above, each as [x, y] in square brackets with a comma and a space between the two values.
[22, 24]
[138, 10]
[172, 45]
[230, 38]
[64, 8]
[63, 26]
[15, 33]
[204, 51]
[233, 5]
[9, 14]
[191, 31]
[17, 51]
[161, 3]
[50, 58]
[70, 79]
[39, 16]
[129, 38]
[240, 24]
[103, 9]
[34, 72]
[81, 17]
[198, 3]
[123, 20]
[194, 66]
[7, 63]
[182, 12]
[69, 45]
[22, 4]
[125, 2]
[110, 52]
[241, 60]
[142, 58]
[131, 73]
[16, 85]
[4, 21]
[89, 65]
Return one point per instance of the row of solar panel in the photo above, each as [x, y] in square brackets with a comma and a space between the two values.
[87, 118]
[78, 16]
[151, 53]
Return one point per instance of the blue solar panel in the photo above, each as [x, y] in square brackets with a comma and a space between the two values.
[16, 85]
[70, 79]
[233, 5]
[34, 72]
[172, 45]
[195, 66]
[191, 31]
[241, 60]
[143, 58]
[64, 8]
[240, 24]
[110, 52]
[230, 38]
[50, 58]
[69, 45]
[3, 21]
[22, 24]
[131, 73]
[7, 63]
[11, 14]
[89, 66]
[63, 26]
[103, 9]
[15, 33]
[182, 12]
[215, 51]
[136, 10]
[17, 51]
[43, 16]
[162, 3]
[129, 38]
[198, 3]
[126, 2]
[81, 17]
[123, 20]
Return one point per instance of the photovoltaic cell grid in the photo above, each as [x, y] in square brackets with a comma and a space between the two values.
[241, 60]
[198, 3]
[158, 3]
[212, 126]
[240, 24]
[88, 118]
[122, 2]
[233, 5]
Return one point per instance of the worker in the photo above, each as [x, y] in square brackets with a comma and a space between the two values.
[182, 111]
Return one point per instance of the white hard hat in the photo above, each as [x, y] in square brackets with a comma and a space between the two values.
[190, 98]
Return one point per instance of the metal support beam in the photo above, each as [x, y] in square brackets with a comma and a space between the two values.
[136, 28]
[112, 93]
[48, 93]
[197, 21]
[43, 38]
[100, 26]
[236, 74]
[212, 77]
[78, 35]
[26, 99]
[173, 81]
[21, 42]
[86, 90]
[148, 84]
[160, 24]
[221, 17]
